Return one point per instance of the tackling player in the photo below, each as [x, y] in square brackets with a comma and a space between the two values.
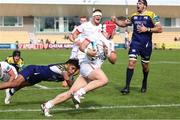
[97, 48]
[33, 74]
[144, 24]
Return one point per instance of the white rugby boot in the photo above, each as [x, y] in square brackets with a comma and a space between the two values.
[45, 111]
[7, 99]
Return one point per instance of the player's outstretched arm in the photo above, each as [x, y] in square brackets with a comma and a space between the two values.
[121, 21]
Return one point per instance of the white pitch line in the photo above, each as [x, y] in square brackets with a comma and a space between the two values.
[95, 108]
[41, 86]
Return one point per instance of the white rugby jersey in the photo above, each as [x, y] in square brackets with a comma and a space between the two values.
[88, 28]
[4, 69]
[85, 29]
[97, 42]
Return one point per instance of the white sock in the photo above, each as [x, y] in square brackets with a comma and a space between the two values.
[81, 91]
[49, 104]
[13, 90]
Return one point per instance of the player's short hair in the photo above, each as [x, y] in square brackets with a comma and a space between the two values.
[143, 1]
[97, 12]
[16, 53]
[74, 62]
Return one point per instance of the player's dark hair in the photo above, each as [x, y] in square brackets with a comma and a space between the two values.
[121, 18]
[143, 1]
[74, 62]
[97, 10]
[16, 53]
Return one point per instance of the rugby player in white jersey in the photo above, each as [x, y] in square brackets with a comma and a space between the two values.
[75, 48]
[7, 73]
[88, 28]
[97, 48]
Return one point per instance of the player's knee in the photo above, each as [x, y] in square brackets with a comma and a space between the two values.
[104, 82]
[132, 64]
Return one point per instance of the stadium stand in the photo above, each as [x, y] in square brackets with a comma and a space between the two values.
[59, 38]
[13, 36]
[167, 39]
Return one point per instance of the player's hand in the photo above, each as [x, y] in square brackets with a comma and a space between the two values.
[113, 19]
[91, 52]
[78, 43]
[141, 28]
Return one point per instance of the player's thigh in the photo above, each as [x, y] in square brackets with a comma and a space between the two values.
[78, 83]
[98, 74]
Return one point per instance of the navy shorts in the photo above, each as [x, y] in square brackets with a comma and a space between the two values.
[139, 49]
[31, 74]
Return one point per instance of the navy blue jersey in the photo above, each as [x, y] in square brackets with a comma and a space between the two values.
[141, 43]
[148, 19]
[35, 73]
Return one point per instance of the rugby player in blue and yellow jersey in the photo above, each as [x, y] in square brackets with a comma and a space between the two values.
[144, 24]
[33, 74]
[16, 60]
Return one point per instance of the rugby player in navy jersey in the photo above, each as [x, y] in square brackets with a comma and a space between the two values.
[33, 74]
[144, 24]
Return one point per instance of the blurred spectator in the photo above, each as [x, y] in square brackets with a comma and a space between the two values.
[175, 39]
[163, 46]
[47, 41]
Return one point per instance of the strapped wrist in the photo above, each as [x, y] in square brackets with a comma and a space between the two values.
[148, 29]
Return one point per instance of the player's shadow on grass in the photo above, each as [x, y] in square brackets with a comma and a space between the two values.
[85, 107]
[24, 103]
[132, 89]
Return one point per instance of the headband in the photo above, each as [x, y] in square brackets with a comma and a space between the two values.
[97, 13]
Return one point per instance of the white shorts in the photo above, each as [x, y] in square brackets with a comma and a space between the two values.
[87, 68]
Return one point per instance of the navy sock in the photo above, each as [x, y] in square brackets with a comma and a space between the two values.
[129, 74]
[145, 75]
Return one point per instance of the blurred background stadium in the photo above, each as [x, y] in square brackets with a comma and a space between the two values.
[30, 22]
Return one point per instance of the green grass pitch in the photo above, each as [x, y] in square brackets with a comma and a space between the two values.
[162, 100]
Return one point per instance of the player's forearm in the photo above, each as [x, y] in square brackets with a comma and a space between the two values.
[69, 82]
[71, 37]
[11, 78]
[156, 29]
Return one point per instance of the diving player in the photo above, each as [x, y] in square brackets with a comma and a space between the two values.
[33, 74]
